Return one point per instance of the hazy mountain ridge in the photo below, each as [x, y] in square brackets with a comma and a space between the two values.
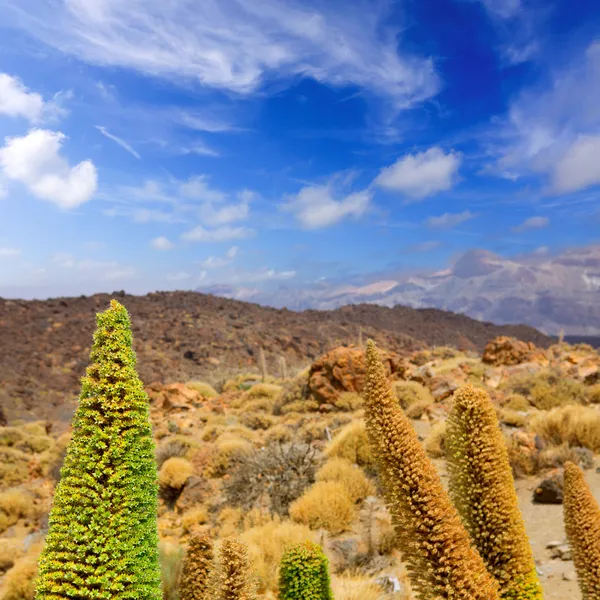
[547, 292]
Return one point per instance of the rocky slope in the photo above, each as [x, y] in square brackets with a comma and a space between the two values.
[548, 292]
[181, 336]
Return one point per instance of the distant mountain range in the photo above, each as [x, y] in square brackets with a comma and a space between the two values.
[547, 292]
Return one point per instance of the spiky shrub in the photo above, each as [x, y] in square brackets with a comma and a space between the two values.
[440, 559]
[102, 541]
[196, 568]
[582, 524]
[304, 574]
[233, 579]
[482, 488]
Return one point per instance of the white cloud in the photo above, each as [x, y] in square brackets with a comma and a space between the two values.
[261, 275]
[235, 44]
[420, 175]
[198, 188]
[201, 149]
[223, 216]
[161, 243]
[448, 220]
[180, 276]
[94, 269]
[34, 160]
[220, 234]
[532, 223]
[316, 206]
[554, 128]
[218, 262]
[504, 9]
[117, 140]
[579, 167]
[9, 252]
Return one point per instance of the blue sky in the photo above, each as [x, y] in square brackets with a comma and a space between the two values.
[148, 145]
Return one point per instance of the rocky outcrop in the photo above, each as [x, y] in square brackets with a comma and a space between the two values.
[507, 351]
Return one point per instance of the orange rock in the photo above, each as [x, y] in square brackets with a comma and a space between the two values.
[507, 351]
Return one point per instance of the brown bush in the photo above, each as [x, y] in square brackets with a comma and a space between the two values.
[326, 505]
[574, 425]
[175, 472]
[15, 504]
[352, 443]
[353, 478]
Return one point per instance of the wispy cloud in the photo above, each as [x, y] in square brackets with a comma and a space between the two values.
[35, 161]
[532, 223]
[552, 129]
[118, 141]
[218, 262]
[234, 44]
[219, 234]
[9, 252]
[417, 176]
[449, 220]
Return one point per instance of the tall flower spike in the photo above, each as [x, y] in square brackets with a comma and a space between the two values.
[482, 488]
[197, 566]
[441, 561]
[233, 577]
[582, 524]
[102, 542]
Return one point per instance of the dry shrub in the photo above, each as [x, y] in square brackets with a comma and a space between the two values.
[512, 418]
[593, 394]
[257, 420]
[417, 410]
[14, 505]
[352, 443]
[171, 563]
[175, 446]
[194, 517]
[516, 402]
[204, 389]
[229, 521]
[279, 434]
[264, 390]
[266, 545]
[353, 478]
[348, 401]
[573, 425]
[52, 460]
[294, 395]
[435, 442]
[14, 467]
[230, 450]
[326, 505]
[174, 472]
[355, 587]
[10, 552]
[411, 392]
[278, 472]
[19, 582]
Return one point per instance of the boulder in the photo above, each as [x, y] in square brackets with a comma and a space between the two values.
[344, 370]
[173, 396]
[507, 351]
[550, 490]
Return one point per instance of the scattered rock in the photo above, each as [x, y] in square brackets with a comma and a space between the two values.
[389, 584]
[508, 351]
[343, 370]
[550, 490]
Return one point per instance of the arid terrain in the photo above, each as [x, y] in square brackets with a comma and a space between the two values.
[276, 453]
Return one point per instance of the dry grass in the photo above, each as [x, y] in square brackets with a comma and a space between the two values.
[516, 402]
[325, 505]
[203, 388]
[19, 582]
[194, 517]
[14, 505]
[353, 478]
[410, 393]
[10, 552]
[511, 418]
[348, 401]
[174, 472]
[434, 444]
[266, 545]
[229, 449]
[352, 443]
[573, 425]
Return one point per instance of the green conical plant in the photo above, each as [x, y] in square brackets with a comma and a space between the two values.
[197, 566]
[441, 560]
[582, 524]
[304, 574]
[102, 541]
[482, 488]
